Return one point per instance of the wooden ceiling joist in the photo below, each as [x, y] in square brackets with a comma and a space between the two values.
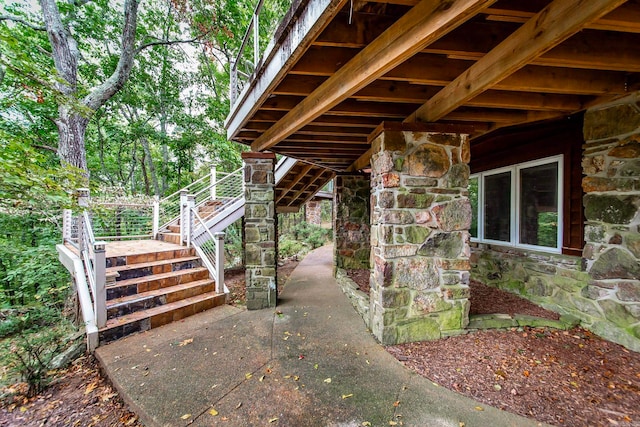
[558, 21]
[422, 25]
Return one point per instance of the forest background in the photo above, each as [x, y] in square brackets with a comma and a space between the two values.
[127, 98]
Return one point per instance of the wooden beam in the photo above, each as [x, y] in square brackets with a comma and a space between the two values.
[362, 162]
[624, 18]
[287, 209]
[294, 181]
[556, 22]
[423, 24]
[315, 177]
[437, 70]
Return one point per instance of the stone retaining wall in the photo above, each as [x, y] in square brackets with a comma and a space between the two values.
[358, 299]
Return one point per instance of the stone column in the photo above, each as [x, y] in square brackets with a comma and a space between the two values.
[313, 212]
[611, 165]
[260, 230]
[351, 221]
[419, 234]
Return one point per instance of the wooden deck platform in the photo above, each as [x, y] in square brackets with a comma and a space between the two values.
[137, 247]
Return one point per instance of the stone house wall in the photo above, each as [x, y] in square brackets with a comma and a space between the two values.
[602, 287]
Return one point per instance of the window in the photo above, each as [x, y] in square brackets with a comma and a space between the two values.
[519, 205]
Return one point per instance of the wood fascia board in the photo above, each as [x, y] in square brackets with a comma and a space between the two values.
[312, 20]
[426, 22]
[559, 20]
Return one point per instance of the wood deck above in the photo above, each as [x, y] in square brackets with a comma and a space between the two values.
[339, 69]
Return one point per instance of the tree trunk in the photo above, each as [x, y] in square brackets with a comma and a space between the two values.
[152, 168]
[71, 131]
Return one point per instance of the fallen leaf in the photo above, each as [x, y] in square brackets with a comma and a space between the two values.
[526, 373]
[23, 409]
[366, 424]
[239, 405]
[479, 408]
[90, 388]
[497, 387]
[301, 357]
[248, 375]
[296, 378]
[346, 396]
[213, 412]
[393, 423]
[460, 424]
[186, 416]
[261, 378]
[315, 366]
[185, 342]
[273, 420]
[328, 380]
[396, 403]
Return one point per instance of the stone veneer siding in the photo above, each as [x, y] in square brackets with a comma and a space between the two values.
[351, 221]
[313, 212]
[260, 230]
[419, 235]
[602, 288]
[611, 166]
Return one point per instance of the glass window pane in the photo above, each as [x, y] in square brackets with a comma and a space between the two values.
[539, 205]
[473, 198]
[497, 207]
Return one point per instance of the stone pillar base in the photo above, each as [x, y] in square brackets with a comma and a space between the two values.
[419, 235]
[260, 230]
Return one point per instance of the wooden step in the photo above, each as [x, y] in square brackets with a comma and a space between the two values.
[118, 261]
[154, 267]
[128, 287]
[174, 228]
[144, 300]
[158, 316]
[169, 237]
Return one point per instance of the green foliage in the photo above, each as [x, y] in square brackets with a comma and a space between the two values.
[25, 319]
[548, 229]
[289, 248]
[31, 355]
[30, 273]
[297, 237]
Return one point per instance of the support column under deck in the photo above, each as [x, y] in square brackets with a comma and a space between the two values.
[260, 230]
[420, 217]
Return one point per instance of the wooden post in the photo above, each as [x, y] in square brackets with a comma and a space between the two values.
[213, 182]
[183, 216]
[219, 261]
[256, 38]
[156, 216]
[188, 226]
[100, 294]
[67, 222]
[83, 202]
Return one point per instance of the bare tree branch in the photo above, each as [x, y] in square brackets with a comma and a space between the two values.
[23, 22]
[167, 43]
[46, 147]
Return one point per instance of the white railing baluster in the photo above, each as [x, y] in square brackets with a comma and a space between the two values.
[156, 217]
[213, 182]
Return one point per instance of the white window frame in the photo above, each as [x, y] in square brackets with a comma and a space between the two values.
[514, 232]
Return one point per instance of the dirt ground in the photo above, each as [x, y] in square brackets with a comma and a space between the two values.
[564, 378]
[78, 396]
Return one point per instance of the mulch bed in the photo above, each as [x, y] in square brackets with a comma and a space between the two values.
[234, 278]
[361, 278]
[487, 300]
[78, 396]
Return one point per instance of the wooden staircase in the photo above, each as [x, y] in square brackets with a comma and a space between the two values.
[154, 287]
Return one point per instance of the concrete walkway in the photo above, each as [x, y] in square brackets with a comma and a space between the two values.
[310, 363]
